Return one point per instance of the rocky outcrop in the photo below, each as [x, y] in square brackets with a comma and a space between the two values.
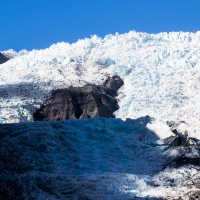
[3, 58]
[114, 82]
[81, 102]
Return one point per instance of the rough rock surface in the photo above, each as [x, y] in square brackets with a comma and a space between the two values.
[81, 102]
[114, 82]
[3, 58]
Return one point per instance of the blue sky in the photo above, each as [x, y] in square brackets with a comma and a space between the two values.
[37, 24]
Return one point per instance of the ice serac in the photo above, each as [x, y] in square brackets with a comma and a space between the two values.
[3, 58]
[81, 102]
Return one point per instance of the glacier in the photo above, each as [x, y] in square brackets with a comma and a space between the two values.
[79, 159]
[160, 71]
[94, 158]
[131, 157]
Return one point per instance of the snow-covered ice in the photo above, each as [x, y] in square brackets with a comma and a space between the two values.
[131, 156]
[160, 71]
[95, 158]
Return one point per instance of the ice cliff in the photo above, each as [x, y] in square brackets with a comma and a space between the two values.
[160, 72]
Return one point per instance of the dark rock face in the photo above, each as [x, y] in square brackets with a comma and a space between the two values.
[173, 141]
[184, 161]
[80, 103]
[3, 59]
[114, 82]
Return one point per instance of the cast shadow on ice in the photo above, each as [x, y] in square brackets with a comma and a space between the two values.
[92, 145]
[22, 90]
[76, 157]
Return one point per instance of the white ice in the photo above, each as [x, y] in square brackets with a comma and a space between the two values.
[161, 74]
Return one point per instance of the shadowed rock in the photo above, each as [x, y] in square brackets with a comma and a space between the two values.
[80, 102]
[173, 141]
[183, 161]
[114, 82]
[3, 59]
